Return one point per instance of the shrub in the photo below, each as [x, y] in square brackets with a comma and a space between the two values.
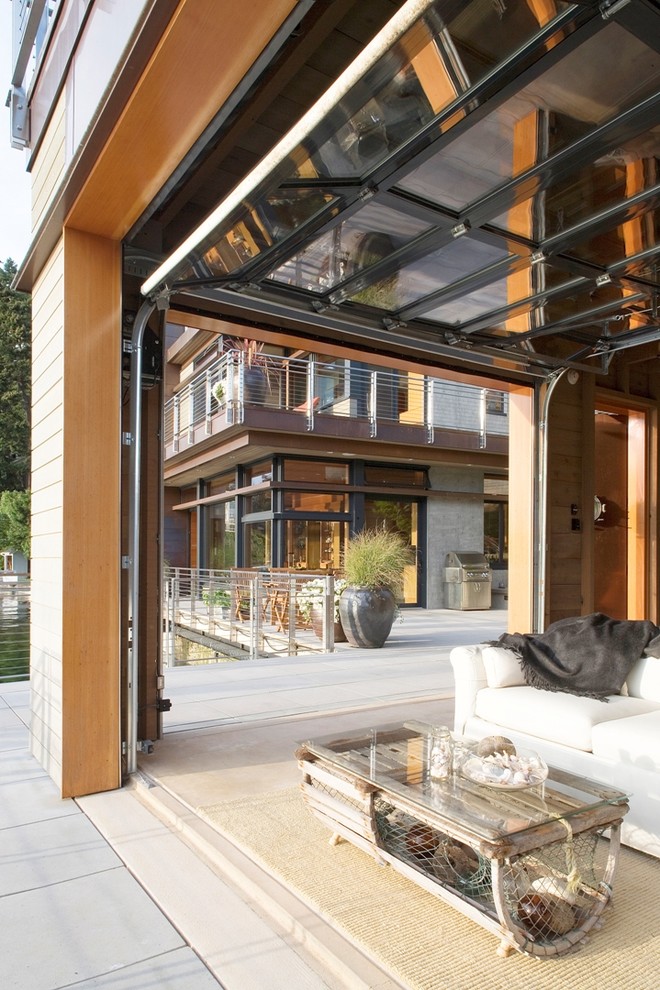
[376, 558]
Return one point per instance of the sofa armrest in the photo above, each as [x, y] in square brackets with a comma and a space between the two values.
[469, 679]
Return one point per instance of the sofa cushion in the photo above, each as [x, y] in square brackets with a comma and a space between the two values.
[555, 716]
[630, 740]
[643, 681]
[502, 667]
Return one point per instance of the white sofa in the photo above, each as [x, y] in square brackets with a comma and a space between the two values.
[616, 742]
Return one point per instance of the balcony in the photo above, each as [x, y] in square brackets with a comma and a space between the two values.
[338, 398]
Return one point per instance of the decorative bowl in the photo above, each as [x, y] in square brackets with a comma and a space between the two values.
[510, 773]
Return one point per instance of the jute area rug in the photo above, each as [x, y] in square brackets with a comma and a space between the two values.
[422, 942]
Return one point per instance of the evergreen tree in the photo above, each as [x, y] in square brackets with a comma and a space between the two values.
[15, 521]
[15, 330]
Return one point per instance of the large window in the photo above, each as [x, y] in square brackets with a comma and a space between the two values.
[316, 471]
[221, 535]
[257, 544]
[315, 544]
[496, 523]
[400, 515]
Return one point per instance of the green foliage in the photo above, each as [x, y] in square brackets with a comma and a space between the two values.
[216, 597]
[14, 382]
[376, 558]
[15, 521]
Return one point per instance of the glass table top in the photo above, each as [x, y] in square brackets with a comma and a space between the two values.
[396, 759]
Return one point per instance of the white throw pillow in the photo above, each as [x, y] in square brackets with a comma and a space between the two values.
[643, 681]
[502, 667]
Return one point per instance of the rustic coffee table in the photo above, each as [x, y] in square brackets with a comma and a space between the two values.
[533, 865]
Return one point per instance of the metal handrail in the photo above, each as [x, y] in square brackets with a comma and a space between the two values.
[246, 613]
[311, 388]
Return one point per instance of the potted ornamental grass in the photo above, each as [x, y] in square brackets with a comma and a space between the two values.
[374, 563]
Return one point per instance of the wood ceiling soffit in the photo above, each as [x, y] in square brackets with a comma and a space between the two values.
[172, 104]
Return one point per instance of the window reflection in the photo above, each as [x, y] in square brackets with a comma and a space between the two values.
[442, 267]
[345, 250]
[505, 292]
[566, 102]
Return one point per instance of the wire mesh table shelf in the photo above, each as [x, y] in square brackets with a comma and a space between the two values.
[534, 868]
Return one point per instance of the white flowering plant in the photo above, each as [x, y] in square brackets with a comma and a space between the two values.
[311, 595]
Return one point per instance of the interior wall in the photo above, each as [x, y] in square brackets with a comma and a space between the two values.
[568, 515]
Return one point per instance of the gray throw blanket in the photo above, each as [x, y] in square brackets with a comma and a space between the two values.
[588, 655]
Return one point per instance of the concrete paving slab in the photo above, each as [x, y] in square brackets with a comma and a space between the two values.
[179, 969]
[79, 929]
[44, 853]
[33, 800]
[238, 946]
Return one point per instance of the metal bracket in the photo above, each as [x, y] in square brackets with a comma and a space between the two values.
[19, 116]
[125, 562]
[127, 439]
[164, 705]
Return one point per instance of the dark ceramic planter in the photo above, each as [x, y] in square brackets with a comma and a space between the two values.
[367, 615]
[255, 386]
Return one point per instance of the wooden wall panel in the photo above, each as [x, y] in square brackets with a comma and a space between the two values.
[521, 510]
[91, 550]
[565, 488]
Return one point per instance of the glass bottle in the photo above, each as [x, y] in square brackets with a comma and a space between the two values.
[441, 758]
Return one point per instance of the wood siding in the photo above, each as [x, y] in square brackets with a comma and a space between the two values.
[50, 165]
[47, 510]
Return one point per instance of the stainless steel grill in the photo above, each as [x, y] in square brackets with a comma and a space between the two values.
[468, 580]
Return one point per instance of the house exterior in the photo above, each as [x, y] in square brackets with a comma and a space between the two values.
[455, 191]
[272, 457]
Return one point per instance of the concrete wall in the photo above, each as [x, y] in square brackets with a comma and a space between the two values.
[453, 523]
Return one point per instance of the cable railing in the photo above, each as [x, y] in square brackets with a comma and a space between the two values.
[218, 397]
[14, 631]
[219, 615]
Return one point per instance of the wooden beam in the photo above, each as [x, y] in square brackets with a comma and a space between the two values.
[91, 745]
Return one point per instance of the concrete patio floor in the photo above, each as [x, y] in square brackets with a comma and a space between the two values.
[133, 889]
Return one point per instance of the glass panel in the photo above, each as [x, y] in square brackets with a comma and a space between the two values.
[567, 101]
[601, 186]
[610, 247]
[313, 545]
[315, 471]
[442, 267]
[256, 230]
[397, 516]
[495, 533]
[315, 502]
[438, 59]
[257, 544]
[261, 502]
[221, 535]
[224, 483]
[255, 474]
[371, 234]
[490, 298]
[377, 474]
[578, 304]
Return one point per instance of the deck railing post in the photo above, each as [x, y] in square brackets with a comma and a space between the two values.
[373, 403]
[429, 409]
